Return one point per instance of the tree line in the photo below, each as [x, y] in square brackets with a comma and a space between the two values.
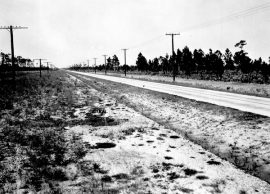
[112, 63]
[211, 65]
[21, 63]
[197, 64]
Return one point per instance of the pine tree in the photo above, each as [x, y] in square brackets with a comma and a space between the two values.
[141, 63]
[115, 63]
[228, 58]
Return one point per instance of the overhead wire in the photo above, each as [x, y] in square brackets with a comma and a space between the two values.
[228, 18]
[147, 42]
[231, 17]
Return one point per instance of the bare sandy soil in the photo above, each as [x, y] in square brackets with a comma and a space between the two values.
[262, 90]
[239, 137]
[130, 153]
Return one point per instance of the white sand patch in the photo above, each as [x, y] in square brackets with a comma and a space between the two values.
[246, 143]
[143, 145]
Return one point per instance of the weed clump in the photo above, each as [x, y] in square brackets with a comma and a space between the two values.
[105, 145]
[121, 176]
[190, 172]
[213, 162]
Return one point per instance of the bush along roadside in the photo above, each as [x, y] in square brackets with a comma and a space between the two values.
[34, 149]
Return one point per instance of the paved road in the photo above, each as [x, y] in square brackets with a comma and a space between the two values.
[258, 105]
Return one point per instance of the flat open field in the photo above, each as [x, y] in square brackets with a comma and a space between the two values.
[70, 134]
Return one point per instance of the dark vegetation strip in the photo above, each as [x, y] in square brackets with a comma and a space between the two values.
[34, 151]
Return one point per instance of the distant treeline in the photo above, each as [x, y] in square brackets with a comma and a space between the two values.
[112, 64]
[21, 64]
[197, 64]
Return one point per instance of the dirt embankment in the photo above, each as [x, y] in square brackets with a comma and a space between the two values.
[239, 137]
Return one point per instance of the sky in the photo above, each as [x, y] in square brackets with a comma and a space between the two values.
[66, 32]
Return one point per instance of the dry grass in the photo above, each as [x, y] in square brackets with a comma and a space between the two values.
[34, 151]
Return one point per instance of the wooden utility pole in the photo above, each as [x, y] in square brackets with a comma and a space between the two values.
[95, 64]
[48, 66]
[105, 65]
[10, 29]
[125, 65]
[88, 64]
[174, 65]
[54, 67]
[39, 65]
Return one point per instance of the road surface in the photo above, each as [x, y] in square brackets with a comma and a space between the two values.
[253, 104]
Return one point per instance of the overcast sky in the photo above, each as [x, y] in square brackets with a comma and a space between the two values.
[72, 31]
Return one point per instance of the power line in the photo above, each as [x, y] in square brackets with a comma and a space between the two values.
[146, 42]
[231, 17]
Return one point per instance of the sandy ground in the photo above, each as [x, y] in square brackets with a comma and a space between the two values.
[135, 154]
[239, 137]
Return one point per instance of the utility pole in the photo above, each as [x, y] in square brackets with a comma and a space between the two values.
[88, 64]
[125, 51]
[95, 64]
[39, 65]
[174, 68]
[10, 29]
[52, 66]
[105, 64]
[48, 66]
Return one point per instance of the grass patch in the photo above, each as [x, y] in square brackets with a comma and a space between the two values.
[35, 152]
